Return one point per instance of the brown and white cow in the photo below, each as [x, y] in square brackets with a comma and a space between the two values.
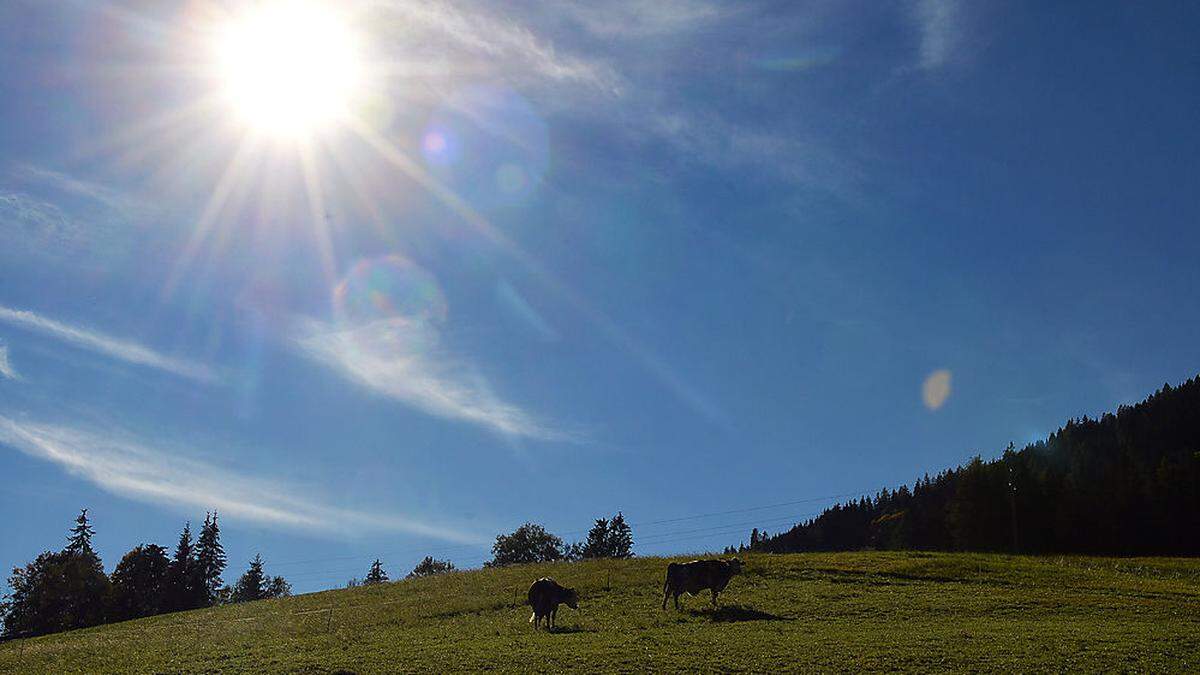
[545, 595]
[698, 575]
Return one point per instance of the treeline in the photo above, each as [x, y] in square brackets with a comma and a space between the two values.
[68, 589]
[529, 543]
[1126, 484]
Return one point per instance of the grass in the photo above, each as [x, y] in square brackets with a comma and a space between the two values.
[842, 611]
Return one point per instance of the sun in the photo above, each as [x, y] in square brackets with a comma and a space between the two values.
[289, 69]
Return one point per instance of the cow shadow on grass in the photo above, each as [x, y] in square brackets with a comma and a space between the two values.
[558, 630]
[736, 613]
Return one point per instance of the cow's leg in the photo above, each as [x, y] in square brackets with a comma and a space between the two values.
[714, 598]
[537, 620]
[676, 601]
[553, 618]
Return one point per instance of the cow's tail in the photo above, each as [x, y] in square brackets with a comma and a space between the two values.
[531, 617]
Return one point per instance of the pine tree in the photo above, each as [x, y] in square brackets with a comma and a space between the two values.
[620, 537]
[80, 541]
[597, 544]
[376, 575]
[210, 560]
[181, 592]
[58, 591]
[279, 588]
[251, 585]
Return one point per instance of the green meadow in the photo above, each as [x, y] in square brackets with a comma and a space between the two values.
[835, 611]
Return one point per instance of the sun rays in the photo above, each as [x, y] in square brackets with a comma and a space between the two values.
[293, 131]
[289, 70]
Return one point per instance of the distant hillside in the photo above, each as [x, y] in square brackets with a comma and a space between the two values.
[1126, 484]
[856, 612]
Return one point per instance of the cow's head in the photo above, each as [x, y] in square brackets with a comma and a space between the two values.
[571, 598]
[735, 565]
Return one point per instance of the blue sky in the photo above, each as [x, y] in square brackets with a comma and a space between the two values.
[674, 258]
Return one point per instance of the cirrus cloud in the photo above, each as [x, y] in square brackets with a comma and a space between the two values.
[125, 466]
[107, 345]
[6, 368]
[402, 359]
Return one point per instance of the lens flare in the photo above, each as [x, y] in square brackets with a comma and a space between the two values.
[795, 62]
[936, 389]
[389, 287]
[489, 146]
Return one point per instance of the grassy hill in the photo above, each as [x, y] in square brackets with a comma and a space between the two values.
[805, 611]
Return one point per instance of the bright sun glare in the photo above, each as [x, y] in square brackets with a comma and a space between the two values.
[289, 69]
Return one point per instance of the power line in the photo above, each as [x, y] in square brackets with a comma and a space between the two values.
[724, 529]
[443, 549]
[747, 510]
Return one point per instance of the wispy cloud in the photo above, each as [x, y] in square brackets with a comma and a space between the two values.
[30, 224]
[479, 43]
[717, 141]
[6, 368]
[941, 24]
[73, 185]
[403, 360]
[123, 350]
[635, 19]
[50, 216]
[127, 467]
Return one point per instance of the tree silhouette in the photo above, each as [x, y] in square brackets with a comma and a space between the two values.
[210, 561]
[58, 591]
[596, 545]
[529, 543]
[140, 583]
[278, 588]
[620, 537]
[255, 584]
[251, 585]
[1127, 483]
[607, 539]
[376, 575]
[80, 540]
[182, 591]
[429, 567]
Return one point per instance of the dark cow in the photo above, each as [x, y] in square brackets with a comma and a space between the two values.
[545, 595]
[698, 575]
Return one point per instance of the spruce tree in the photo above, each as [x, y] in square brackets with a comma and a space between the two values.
[253, 584]
[80, 541]
[620, 537]
[59, 590]
[597, 544]
[210, 560]
[376, 575]
[181, 591]
[278, 588]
